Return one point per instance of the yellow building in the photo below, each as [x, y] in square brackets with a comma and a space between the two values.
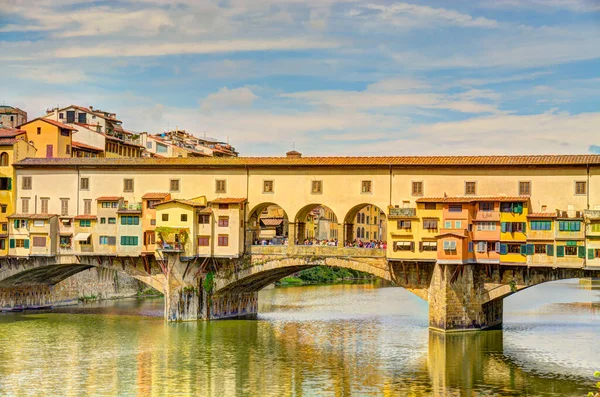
[177, 226]
[592, 218]
[513, 229]
[13, 147]
[570, 238]
[370, 224]
[412, 232]
[540, 238]
[50, 138]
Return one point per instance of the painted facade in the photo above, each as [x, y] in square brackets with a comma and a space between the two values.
[50, 138]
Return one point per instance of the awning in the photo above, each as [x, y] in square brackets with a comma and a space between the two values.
[82, 236]
[272, 221]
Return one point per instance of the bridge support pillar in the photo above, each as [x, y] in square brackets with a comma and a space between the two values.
[457, 300]
[184, 303]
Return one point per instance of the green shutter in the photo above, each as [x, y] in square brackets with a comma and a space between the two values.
[518, 208]
[9, 183]
[122, 240]
[523, 249]
[26, 243]
[530, 249]
[550, 249]
[135, 239]
[503, 249]
[581, 251]
[17, 223]
[504, 227]
[11, 243]
[524, 227]
[591, 253]
[571, 243]
[136, 220]
[560, 251]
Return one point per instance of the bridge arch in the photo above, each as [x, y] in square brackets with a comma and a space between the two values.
[267, 221]
[365, 222]
[316, 221]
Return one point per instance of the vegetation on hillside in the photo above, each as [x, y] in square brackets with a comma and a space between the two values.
[324, 275]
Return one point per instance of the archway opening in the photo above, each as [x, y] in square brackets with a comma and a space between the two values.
[316, 224]
[268, 225]
[365, 225]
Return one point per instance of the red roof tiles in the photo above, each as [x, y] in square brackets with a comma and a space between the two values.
[90, 217]
[155, 196]
[192, 203]
[10, 132]
[228, 200]
[32, 216]
[542, 215]
[407, 161]
[109, 198]
[79, 145]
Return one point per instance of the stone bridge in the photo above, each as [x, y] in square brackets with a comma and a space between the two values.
[461, 297]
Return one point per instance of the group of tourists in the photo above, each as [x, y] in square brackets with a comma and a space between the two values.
[366, 244]
[325, 242]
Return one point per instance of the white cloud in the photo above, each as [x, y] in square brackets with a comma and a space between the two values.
[228, 98]
[547, 5]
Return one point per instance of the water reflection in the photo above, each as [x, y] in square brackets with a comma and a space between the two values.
[336, 340]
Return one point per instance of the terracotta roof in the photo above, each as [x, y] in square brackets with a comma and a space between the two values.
[454, 234]
[271, 221]
[155, 196]
[472, 199]
[182, 201]
[91, 217]
[79, 145]
[206, 210]
[542, 215]
[9, 141]
[6, 132]
[95, 113]
[407, 161]
[32, 216]
[109, 198]
[49, 121]
[228, 200]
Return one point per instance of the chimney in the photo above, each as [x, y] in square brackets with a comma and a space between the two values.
[91, 107]
[293, 154]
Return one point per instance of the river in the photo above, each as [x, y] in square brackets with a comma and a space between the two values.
[337, 340]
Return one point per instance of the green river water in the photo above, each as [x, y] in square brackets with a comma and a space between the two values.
[337, 340]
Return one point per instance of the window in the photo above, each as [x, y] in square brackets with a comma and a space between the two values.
[102, 220]
[3, 208]
[540, 248]
[316, 187]
[39, 130]
[4, 226]
[223, 206]
[108, 240]
[183, 217]
[486, 226]
[513, 227]
[486, 207]
[160, 148]
[174, 185]
[267, 186]
[149, 145]
[404, 246]
[430, 224]
[430, 206]
[569, 226]
[368, 219]
[26, 183]
[516, 208]
[39, 223]
[81, 118]
[25, 205]
[428, 246]
[4, 159]
[223, 240]
[470, 188]
[514, 248]
[64, 206]
[64, 132]
[571, 250]
[130, 220]
[366, 187]
[204, 219]
[44, 205]
[594, 227]
[221, 186]
[458, 224]
[87, 207]
[129, 240]
[128, 185]
[541, 225]
[165, 217]
[153, 222]
[580, 188]
[2, 244]
[448, 225]
[84, 184]
[61, 116]
[455, 208]
[85, 222]
[404, 224]
[524, 188]
[5, 184]
[223, 221]
[482, 247]
[39, 241]
[449, 245]
[417, 188]
[21, 243]
[112, 221]
[203, 241]
[68, 149]
[153, 203]
[149, 238]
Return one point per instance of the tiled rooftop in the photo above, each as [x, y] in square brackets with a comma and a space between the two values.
[49, 121]
[155, 196]
[192, 203]
[542, 215]
[79, 145]
[90, 217]
[6, 132]
[228, 200]
[109, 198]
[384, 161]
[31, 216]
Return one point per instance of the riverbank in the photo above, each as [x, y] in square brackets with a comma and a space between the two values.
[325, 275]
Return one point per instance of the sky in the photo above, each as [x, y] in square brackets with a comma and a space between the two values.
[326, 77]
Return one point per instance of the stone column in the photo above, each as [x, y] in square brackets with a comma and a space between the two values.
[183, 304]
[291, 233]
[459, 304]
[349, 232]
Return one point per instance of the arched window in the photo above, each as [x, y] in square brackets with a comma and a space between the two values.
[4, 159]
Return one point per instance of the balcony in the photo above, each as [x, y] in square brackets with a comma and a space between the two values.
[400, 213]
[135, 208]
[540, 234]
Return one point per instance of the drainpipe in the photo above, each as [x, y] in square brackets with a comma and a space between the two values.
[77, 187]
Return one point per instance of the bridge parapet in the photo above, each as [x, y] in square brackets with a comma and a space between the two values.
[317, 251]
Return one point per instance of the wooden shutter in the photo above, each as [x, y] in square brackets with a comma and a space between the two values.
[503, 249]
[550, 249]
[581, 251]
[523, 249]
[591, 253]
[530, 249]
[560, 251]
[26, 243]
[11, 243]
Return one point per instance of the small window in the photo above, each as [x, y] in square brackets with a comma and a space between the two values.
[458, 224]
[87, 207]
[129, 240]
[223, 240]
[203, 241]
[204, 219]
[165, 217]
[404, 224]
[470, 188]
[39, 223]
[417, 188]
[4, 159]
[26, 183]
[183, 218]
[64, 206]
[524, 188]
[3, 208]
[455, 208]
[223, 221]
[580, 188]
[174, 185]
[366, 187]
[39, 241]
[221, 186]
[540, 248]
[68, 149]
[130, 220]
[44, 205]
[61, 116]
[486, 207]
[316, 187]
[112, 221]
[39, 130]
[25, 205]
[152, 222]
[430, 206]
[85, 223]
[223, 206]
[128, 185]
[84, 184]
[267, 186]
[102, 220]
[430, 224]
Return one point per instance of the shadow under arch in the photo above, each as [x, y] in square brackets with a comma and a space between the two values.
[365, 221]
[510, 289]
[316, 221]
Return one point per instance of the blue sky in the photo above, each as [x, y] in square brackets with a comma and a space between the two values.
[332, 77]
